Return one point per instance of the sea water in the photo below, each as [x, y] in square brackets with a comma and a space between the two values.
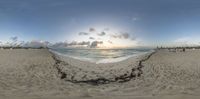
[100, 55]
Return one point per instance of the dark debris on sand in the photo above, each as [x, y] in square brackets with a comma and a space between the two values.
[135, 72]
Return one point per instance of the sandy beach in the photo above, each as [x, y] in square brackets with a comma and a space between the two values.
[40, 74]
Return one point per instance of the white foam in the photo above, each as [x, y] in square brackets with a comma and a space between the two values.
[113, 60]
[69, 56]
[106, 60]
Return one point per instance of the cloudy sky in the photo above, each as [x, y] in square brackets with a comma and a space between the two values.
[103, 23]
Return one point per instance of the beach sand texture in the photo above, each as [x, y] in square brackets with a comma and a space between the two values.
[37, 74]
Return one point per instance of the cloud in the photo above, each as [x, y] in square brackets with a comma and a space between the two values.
[110, 42]
[121, 36]
[15, 42]
[36, 44]
[92, 38]
[21, 43]
[92, 29]
[60, 45]
[71, 44]
[125, 35]
[101, 34]
[133, 38]
[106, 29]
[78, 43]
[14, 39]
[94, 44]
[83, 33]
[84, 43]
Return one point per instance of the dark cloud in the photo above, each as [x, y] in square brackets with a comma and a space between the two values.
[94, 44]
[101, 34]
[92, 29]
[125, 35]
[83, 33]
[121, 36]
[92, 38]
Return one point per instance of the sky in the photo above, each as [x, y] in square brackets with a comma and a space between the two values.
[102, 23]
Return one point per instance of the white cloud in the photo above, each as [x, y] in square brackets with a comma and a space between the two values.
[83, 33]
[71, 44]
[36, 44]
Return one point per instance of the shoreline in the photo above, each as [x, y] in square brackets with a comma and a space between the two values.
[135, 71]
[102, 61]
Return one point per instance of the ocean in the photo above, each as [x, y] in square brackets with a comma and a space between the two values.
[100, 55]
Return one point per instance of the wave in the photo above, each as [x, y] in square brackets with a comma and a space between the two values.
[113, 60]
[99, 59]
[70, 56]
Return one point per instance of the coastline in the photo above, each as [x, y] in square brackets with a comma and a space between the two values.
[63, 63]
[103, 60]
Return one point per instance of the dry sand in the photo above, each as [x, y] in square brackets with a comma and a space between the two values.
[37, 74]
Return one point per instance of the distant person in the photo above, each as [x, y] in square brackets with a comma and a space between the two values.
[183, 49]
